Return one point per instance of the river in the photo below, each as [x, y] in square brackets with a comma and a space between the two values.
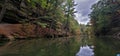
[67, 46]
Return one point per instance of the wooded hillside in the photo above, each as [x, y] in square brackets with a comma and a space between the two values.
[53, 14]
[105, 17]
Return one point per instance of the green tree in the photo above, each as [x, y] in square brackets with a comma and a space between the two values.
[54, 14]
[104, 16]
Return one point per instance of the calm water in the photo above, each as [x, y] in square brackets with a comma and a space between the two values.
[42, 47]
[72, 46]
[101, 46]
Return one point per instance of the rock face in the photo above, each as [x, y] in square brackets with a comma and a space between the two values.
[12, 31]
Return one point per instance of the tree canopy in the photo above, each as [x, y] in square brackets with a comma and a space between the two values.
[55, 14]
[105, 17]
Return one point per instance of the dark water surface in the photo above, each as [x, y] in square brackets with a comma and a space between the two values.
[106, 46]
[70, 46]
[42, 47]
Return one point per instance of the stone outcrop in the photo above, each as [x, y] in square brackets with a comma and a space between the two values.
[12, 31]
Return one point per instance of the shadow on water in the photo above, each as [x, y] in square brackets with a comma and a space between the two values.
[41, 47]
[107, 46]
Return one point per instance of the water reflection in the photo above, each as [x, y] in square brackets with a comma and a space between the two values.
[41, 47]
[118, 55]
[106, 46]
[86, 48]
[86, 51]
[100, 46]
[73, 46]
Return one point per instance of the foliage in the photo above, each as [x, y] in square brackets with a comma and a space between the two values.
[104, 16]
[55, 14]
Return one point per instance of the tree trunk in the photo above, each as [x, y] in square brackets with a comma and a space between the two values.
[3, 10]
